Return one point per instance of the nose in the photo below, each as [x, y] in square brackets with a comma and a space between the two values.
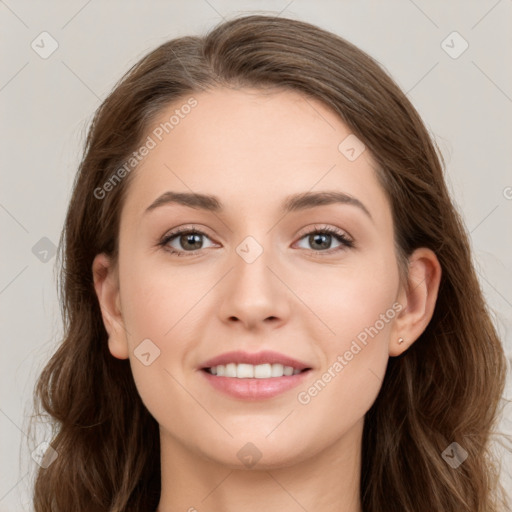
[253, 293]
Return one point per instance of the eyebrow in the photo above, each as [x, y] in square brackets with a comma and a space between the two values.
[292, 203]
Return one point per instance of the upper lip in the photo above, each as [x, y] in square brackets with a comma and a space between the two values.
[256, 358]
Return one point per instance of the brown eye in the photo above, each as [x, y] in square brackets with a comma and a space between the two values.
[183, 241]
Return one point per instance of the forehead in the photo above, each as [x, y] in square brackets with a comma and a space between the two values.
[252, 146]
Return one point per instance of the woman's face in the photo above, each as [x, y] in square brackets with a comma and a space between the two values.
[254, 279]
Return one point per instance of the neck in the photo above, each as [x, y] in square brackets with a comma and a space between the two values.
[325, 482]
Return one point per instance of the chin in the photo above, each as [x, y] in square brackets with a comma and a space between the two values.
[260, 454]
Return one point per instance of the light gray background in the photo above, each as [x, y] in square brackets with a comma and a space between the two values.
[46, 104]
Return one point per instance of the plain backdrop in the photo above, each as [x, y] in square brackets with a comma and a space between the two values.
[460, 83]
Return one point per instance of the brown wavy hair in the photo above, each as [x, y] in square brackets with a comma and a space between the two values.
[445, 388]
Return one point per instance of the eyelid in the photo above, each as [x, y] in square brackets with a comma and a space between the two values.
[323, 227]
[186, 228]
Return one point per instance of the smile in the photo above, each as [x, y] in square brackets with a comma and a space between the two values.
[249, 371]
[257, 387]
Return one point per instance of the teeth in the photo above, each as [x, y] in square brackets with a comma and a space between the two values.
[277, 370]
[250, 371]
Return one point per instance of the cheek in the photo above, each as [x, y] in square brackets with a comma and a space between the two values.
[356, 358]
[155, 306]
[155, 299]
[160, 308]
[358, 310]
[351, 297]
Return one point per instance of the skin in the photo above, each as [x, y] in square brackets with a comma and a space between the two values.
[251, 149]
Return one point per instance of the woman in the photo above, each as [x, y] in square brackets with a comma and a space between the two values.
[268, 294]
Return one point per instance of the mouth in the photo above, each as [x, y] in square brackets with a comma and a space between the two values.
[254, 383]
[254, 376]
[250, 371]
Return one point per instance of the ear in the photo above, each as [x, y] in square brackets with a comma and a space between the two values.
[106, 284]
[418, 299]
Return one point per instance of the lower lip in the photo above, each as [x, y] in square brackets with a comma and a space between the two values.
[254, 389]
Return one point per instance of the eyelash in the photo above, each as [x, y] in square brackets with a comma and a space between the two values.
[337, 234]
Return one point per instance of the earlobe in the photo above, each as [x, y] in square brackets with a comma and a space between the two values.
[106, 284]
[419, 300]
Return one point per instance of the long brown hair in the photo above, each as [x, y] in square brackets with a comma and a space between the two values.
[445, 388]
